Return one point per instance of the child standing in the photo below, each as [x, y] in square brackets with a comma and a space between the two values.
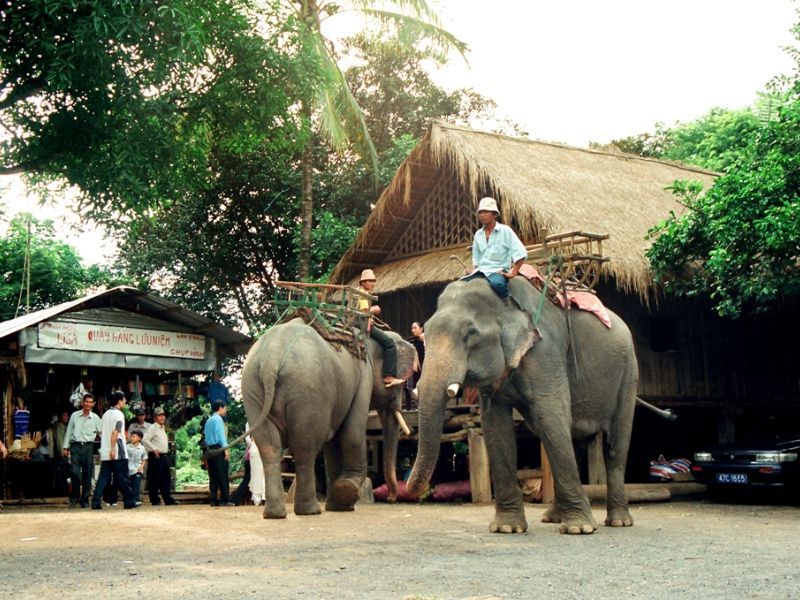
[137, 461]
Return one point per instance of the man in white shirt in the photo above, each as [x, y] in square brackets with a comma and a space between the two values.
[114, 453]
[78, 446]
[497, 252]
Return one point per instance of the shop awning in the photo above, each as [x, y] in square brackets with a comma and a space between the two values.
[128, 314]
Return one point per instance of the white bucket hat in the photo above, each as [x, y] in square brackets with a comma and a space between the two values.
[489, 204]
[367, 275]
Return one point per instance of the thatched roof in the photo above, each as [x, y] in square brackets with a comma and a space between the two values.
[420, 219]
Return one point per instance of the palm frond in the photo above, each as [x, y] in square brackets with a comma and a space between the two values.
[431, 29]
[342, 121]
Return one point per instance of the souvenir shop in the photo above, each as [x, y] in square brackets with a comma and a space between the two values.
[157, 352]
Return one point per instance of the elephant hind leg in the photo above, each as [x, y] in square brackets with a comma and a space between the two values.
[267, 440]
[342, 495]
[343, 490]
[615, 452]
[305, 495]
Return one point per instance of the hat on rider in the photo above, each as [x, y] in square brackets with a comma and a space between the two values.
[367, 275]
[489, 204]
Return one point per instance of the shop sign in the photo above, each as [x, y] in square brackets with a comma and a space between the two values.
[121, 340]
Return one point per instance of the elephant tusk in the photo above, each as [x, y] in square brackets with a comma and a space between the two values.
[402, 422]
[452, 390]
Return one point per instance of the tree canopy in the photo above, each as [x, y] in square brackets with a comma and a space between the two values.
[111, 96]
[56, 270]
[740, 241]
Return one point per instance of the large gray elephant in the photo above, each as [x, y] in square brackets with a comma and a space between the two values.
[567, 386]
[308, 395]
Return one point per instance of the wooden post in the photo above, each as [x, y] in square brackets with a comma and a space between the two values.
[289, 498]
[597, 464]
[479, 479]
[548, 485]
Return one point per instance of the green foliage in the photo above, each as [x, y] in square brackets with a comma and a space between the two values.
[56, 271]
[390, 81]
[329, 106]
[740, 242]
[330, 239]
[115, 97]
[188, 454]
[715, 141]
[218, 248]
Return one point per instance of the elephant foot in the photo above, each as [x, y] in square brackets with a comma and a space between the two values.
[342, 495]
[508, 522]
[274, 511]
[578, 525]
[619, 517]
[552, 514]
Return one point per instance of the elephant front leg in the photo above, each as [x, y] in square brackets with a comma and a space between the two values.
[573, 510]
[501, 444]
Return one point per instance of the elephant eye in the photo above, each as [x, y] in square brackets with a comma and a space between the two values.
[469, 332]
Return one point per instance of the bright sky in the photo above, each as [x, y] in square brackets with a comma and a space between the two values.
[576, 71]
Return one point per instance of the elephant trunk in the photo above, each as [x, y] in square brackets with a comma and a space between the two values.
[391, 437]
[433, 395]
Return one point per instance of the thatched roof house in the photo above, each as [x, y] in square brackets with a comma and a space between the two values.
[427, 213]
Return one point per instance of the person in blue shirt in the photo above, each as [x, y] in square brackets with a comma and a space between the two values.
[217, 392]
[215, 439]
[495, 248]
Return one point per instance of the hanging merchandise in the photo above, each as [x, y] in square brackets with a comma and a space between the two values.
[77, 396]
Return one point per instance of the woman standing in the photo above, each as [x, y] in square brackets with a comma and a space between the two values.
[417, 340]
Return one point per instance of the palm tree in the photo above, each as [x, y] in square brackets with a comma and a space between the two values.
[338, 116]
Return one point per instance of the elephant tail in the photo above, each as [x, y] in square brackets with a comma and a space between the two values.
[666, 414]
[256, 384]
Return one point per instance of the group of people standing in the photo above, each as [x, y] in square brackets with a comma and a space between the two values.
[124, 456]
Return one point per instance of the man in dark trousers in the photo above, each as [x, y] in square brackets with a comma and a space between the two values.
[214, 433]
[78, 446]
[114, 453]
[157, 445]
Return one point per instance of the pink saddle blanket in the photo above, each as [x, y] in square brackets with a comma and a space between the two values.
[582, 300]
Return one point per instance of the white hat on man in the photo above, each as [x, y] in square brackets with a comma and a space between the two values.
[489, 204]
[367, 275]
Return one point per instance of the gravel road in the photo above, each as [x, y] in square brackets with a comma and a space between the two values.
[687, 549]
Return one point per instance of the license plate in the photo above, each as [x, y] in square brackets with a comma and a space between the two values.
[731, 478]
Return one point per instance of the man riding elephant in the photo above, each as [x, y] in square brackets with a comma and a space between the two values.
[495, 247]
[366, 284]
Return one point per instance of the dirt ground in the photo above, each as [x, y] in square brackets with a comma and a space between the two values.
[676, 549]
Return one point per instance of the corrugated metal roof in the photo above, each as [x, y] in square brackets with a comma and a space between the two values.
[131, 299]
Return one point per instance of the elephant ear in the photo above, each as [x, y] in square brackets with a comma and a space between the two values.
[406, 358]
[518, 335]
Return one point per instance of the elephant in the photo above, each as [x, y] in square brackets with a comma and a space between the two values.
[303, 393]
[568, 375]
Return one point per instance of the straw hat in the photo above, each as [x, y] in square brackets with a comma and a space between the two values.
[489, 204]
[367, 275]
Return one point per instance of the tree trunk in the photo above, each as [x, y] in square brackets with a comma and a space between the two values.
[306, 209]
